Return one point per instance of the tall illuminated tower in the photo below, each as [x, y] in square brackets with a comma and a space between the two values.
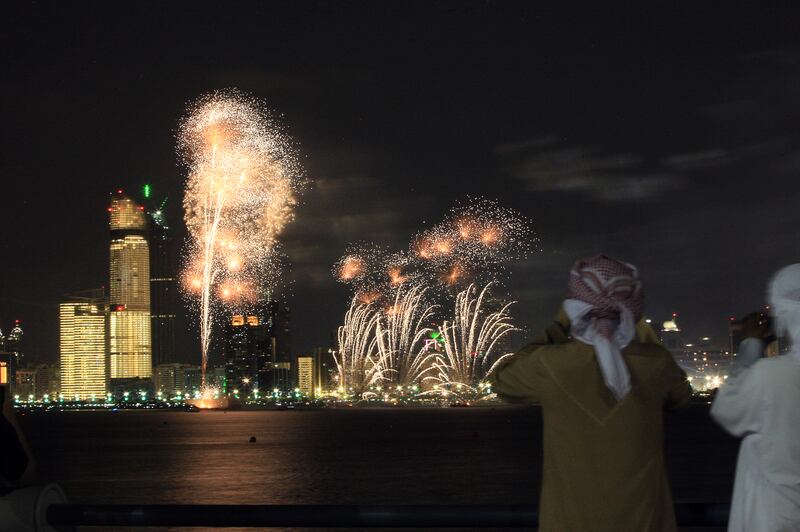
[129, 291]
[83, 346]
[163, 284]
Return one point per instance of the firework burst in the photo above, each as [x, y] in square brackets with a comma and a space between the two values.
[472, 338]
[241, 188]
[473, 244]
[471, 247]
[402, 344]
[360, 362]
[372, 271]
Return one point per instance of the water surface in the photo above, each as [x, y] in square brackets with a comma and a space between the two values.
[342, 456]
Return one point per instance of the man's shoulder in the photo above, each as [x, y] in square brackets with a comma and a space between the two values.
[564, 353]
[575, 347]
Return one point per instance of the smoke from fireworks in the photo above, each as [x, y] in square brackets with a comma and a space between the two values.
[241, 186]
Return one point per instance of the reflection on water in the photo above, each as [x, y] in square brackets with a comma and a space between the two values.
[371, 456]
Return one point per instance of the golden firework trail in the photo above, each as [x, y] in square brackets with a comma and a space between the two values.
[360, 362]
[241, 188]
[471, 338]
[405, 331]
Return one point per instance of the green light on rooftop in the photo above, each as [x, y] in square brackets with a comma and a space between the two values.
[146, 190]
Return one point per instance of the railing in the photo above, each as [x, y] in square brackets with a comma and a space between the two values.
[688, 514]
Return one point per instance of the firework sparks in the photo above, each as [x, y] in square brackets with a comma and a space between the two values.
[405, 329]
[396, 276]
[472, 338]
[351, 268]
[370, 270]
[472, 244]
[360, 362]
[240, 191]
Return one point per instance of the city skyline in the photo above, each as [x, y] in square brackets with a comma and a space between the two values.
[681, 169]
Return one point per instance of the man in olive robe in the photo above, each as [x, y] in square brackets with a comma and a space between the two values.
[603, 384]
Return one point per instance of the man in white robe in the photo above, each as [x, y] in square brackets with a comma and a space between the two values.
[761, 404]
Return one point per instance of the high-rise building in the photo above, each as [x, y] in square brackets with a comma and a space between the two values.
[46, 381]
[163, 284]
[83, 346]
[14, 339]
[325, 366]
[24, 383]
[12, 346]
[278, 315]
[171, 379]
[10, 354]
[313, 372]
[216, 376]
[192, 380]
[248, 350]
[671, 335]
[306, 380]
[129, 284]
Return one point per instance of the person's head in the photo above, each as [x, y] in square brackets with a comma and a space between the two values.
[783, 294]
[610, 286]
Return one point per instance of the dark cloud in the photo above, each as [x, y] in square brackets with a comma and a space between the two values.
[546, 165]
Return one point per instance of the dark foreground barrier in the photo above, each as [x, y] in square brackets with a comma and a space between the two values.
[422, 516]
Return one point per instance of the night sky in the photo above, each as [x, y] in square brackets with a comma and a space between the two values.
[667, 138]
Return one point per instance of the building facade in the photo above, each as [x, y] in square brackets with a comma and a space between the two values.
[84, 361]
[129, 291]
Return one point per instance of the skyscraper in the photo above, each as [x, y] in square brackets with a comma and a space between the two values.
[163, 286]
[129, 284]
[247, 354]
[671, 338]
[14, 340]
[83, 346]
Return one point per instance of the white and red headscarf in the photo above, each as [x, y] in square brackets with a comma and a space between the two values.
[604, 302]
